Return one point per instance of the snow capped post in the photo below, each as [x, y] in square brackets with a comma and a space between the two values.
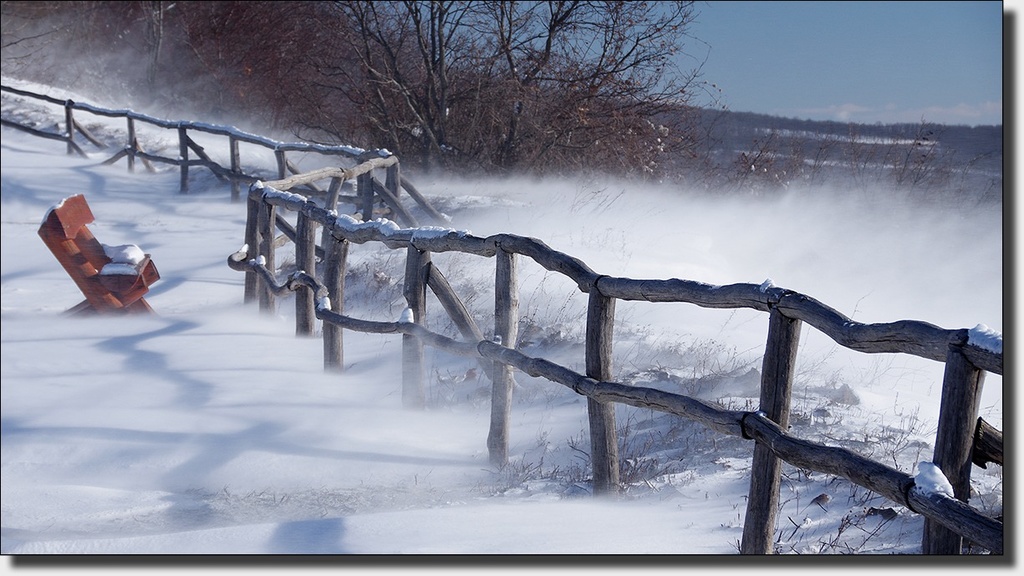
[777, 370]
[954, 439]
[506, 332]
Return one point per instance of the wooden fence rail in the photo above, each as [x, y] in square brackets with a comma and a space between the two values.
[968, 353]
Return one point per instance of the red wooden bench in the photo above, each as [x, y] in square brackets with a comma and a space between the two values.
[113, 279]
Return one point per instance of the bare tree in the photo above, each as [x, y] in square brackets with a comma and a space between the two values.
[23, 32]
[919, 160]
[100, 47]
[153, 14]
[521, 85]
[33, 32]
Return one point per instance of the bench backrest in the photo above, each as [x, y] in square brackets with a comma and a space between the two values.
[64, 231]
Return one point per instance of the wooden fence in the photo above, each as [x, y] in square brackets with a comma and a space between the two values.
[190, 154]
[962, 437]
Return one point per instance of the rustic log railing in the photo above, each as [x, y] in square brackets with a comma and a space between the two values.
[190, 154]
[962, 436]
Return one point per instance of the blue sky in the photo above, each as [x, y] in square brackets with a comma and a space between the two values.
[861, 62]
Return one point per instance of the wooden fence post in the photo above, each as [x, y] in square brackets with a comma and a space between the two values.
[364, 190]
[69, 121]
[236, 167]
[393, 179]
[331, 203]
[183, 157]
[335, 262]
[252, 235]
[305, 259]
[777, 370]
[954, 441]
[506, 329]
[133, 145]
[265, 231]
[604, 442]
[282, 164]
[415, 290]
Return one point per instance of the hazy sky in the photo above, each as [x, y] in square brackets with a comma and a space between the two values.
[855, 61]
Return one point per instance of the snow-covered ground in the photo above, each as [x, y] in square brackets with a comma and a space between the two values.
[209, 428]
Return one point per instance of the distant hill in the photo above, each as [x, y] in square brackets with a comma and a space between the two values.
[980, 144]
[760, 151]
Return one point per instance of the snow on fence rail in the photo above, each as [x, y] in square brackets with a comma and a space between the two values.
[962, 437]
